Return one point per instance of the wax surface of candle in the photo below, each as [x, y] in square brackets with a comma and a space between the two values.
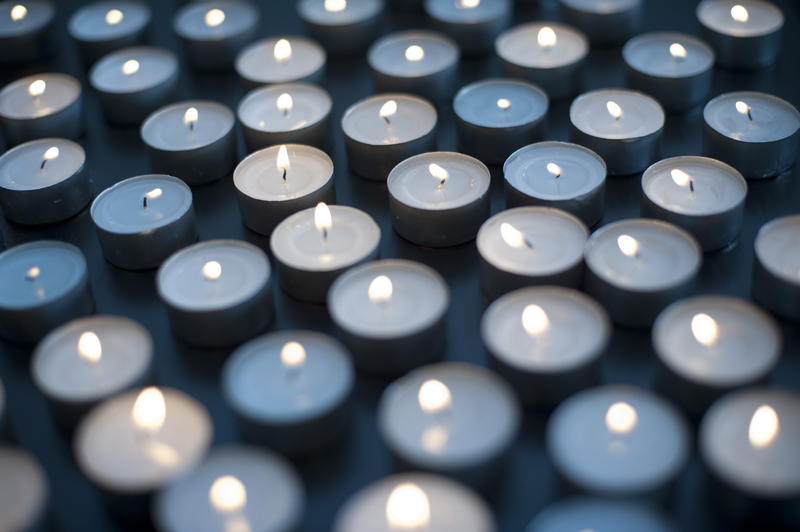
[778, 247]
[579, 170]
[230, 18]
[259, 63]
[761, 18]
[22, 169]
[39, 273]
[258, 175]
[521, 45]
[133, 206]
[466, 11]
[388, 55]
[155, 66]
[108, 20]
[601, 6]
[309, 104]
[640, 115]
[482, 104]
[585, 513]
[172, 128]
[652, 53]
[413, 118]
[415, 186]
[769, 119]
[21, 99]
[352, 12]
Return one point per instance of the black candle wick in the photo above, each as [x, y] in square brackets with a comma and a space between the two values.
[144, 202]
[691, 185]
[284, 174]
[44, 161]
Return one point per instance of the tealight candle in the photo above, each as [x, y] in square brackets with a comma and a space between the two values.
[709, 345]
[474, 24]
[142, 220]
[546, 341]
[581, 512]
[549, 54]
[419, 62]
[623, 126]
[42, 105]
[385, 129]
[343, 27]
[234, 488]
[89, 360]
[103, 27]
[637, 267]
[194, 140]
[409, 501]
[439, 199]
[281, 60]
[214, 32]
[218, 293]
[674, 68]
[756, 133]
[390, 314]
[43, 181]
[314, 246]
[290, 390]
[133, 82]
[25, 30]
[776, 268]
[618, 441]
[451, 418]
[557, 174]
[280, 180]
[26, 491]
[46, 285]
[744, 33]
[288, 113]
[530, 246]
[497, 116]
[701, 195]
[606, 22]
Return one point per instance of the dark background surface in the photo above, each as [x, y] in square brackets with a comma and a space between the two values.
[529, 484]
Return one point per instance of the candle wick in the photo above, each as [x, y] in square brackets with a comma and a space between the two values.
[691, 185]
[285, 113]
[388, 122]
[41, 167]
[749, 115]
[284, 175]
[191, 126]
[144, 202]
[325, 234]
[441, 183]
[529, 244]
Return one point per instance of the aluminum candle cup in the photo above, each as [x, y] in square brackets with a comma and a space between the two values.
[756, 133]
[89, 360]
[276, 182]
[419, 62]
[497, 116]
[42, 105]
[281, 60]
[143, 220]
[383, 130]
[624, 127]
[25, 31]
[290, 390]
[452, 418]
[414, 500]
[701, 195]
[530, 246]
[343, 27]
[288, 113]
[193, 140]
[133, 82]
[607, 22]
[439, 199]
[674, 68]
[636, 267]
[557, 174]
[709, 345]
[313, 247]
[103, 27]
[744, 33]
[235, 486]
[26, 491]
[776, 268]
[474, 25]
[214, 32]
[546, 341]
[549, 54]
[46, 285]
[594, 513]
[390, 314]
[218, 293]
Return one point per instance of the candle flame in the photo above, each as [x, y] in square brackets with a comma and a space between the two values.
[614, 109]
[212, 270]
[334, 6]
[434, 396]
[282, 162]
[227, 494]
[388, 109]
[503, 103]
[18, 12]
[546, 37]
[285, 102]
[214, 17]
[191, 116]
[155, 193]
[512, 236]
[282, 50]
[467, 4]
[131, 66]
[705, 329]
[554, 169]
[293, 355]
[89, 347]
[114, 17]
[407, 507]
[743, 108]
[677, 50]
[51, 153]
[33, 273]
[628, 245]
[36, 88]
[739, 13]
[150, 410]
[535, 320]
[681, 178]
[380, 289]
[621, 418]
[415, 53]
[438, 172]
[322, 218]
[764, 427]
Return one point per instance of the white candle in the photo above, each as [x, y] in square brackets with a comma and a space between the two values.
[23, 480]
[776, 269]
[474, 24]
[102, 27]
[577, 512]
[281, 60]
[606, 21]
[343, 27]
[25, 31]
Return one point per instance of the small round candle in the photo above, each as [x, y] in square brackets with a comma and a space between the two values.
[47, 284]
[606, 22]
[623, 126]
[218, 293]
[439, 199]
[409, 501]
[25, 30]
[756, 133]
[41, 105]
[193, 140]
[419, 62]
[530, 246]
[382, 130]
[314, 246]
[89, 360]
[142, 220]
[390, 314]
[278, 181]
[744, 33]
[474, 24]
[343, 27]
[214, 32]
[290, 390]
[776, 268]
[637, 267]
[674, 68]
[133, 82]
[26, 492]
[557, 174]
[102, 27]
[549, 54]
[497, 116]
[580, 512]
[287, 113]
[43, 181]
[281, 60]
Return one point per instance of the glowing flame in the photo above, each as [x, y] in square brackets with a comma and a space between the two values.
[388, 109]
[535, 320]
[621, 418]
[37, 88]
[628, 245]
[282, 162]
[743, 108]
[554, 169]
[764, 426]
[18, 12]
[705, 329]
[415, 53]
[546, 37]
[190, 116]
[434, 396]
[322, 217]
[212, 270]
[739, 13]
[214, 17]
[408, 507]
[512, 236]
[681, 178]
[227, 494]
[503, 103]
[293, 355]
[285, 102]
[155, 193]
[468, 4]
[114, 17]
[282, 51]
[380, 289]
[150, 409]
[89, 347]
[33, 273]
[334, 6]
[438, 172]
[614, 109]
[51, 153]
[677, 50]
[130, 67]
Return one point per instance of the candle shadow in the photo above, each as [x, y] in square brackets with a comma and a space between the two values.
[75, 230]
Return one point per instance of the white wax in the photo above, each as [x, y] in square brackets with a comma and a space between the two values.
[39, 14]
[257, 62]
[520, 46]
[414, 118]
[259, 109]
[601, 7]
[166, 128]
[777, 246]
[477, 103]
[771, 118]
[388, 54]
[24, 489]
[258, 175]
[650, 53]
[89, 22]
[456, 12]
[156, 65]
[190, 21]
[61, 90]
[354, 11]
[641, 114]
[21, 167]
[763, 17]
[60, 266]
